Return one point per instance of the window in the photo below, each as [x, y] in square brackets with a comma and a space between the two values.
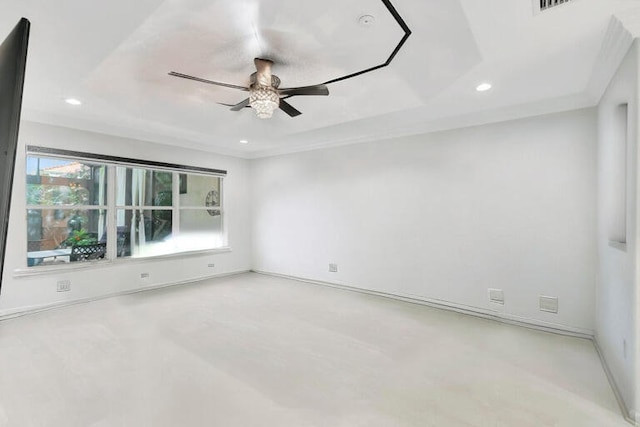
[200, 214]
[65, 207]
[144, 216]
[80, 208]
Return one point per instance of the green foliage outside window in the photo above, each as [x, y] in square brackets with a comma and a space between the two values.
[80, 238]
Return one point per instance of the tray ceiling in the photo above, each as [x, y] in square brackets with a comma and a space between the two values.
[115, 57]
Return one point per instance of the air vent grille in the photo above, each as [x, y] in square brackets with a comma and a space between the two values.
[548, 4]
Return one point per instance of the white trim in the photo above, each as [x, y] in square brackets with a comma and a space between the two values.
[629, 416]
[10, 314]
[564, 104]
[458, 308]
[617, 42]
[112, 226]
[144, 208]
[45, 270]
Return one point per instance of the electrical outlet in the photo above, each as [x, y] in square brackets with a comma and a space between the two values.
[549, 304]
[624, 348]
[63, 285]
[333, 268]
[144, 275]
[496, 296]
[211, 265]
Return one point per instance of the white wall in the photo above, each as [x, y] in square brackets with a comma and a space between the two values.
[21, 292]
[443, 216]
[616, 288]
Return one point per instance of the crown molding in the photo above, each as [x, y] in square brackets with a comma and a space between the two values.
[167, 135]
[378, 128]
[617, 41]
[630, 19]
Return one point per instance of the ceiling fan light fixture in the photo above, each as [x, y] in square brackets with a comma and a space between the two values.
[264, 99]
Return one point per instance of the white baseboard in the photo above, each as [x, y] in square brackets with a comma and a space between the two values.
[451, 306]
[22, 311]
[630, 416]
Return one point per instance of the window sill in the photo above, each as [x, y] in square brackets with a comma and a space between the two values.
[78, 266]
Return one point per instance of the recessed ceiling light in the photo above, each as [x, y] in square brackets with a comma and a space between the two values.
[73, 101]
[244, 141]
[483, 87]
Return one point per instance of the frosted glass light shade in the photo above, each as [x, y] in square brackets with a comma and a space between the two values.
[264, 99]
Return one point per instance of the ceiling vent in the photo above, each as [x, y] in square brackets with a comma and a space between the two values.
[543, 5]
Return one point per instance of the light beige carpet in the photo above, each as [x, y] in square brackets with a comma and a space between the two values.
[253, 350]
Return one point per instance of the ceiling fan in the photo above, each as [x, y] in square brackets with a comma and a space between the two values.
[264, 92]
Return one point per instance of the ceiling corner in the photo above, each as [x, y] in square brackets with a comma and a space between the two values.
[615, 45]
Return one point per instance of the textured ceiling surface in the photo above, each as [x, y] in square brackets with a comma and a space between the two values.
[115, 57]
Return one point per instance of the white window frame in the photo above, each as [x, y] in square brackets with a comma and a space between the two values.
[111, 207]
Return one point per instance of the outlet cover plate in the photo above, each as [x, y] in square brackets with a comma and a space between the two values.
[63, 286]
[548, 304]
[333, 268]
[496, 296]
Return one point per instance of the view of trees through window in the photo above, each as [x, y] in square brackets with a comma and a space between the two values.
[70, 219]
[64, 201]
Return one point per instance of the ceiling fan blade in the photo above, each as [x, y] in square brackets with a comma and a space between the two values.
[229, 105]
[201, 80]
[240, 105]
[305, 90]
[288, 108]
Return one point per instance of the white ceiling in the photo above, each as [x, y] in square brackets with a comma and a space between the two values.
[115, 57]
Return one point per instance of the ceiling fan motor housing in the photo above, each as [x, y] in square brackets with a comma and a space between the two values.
[275, 80]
